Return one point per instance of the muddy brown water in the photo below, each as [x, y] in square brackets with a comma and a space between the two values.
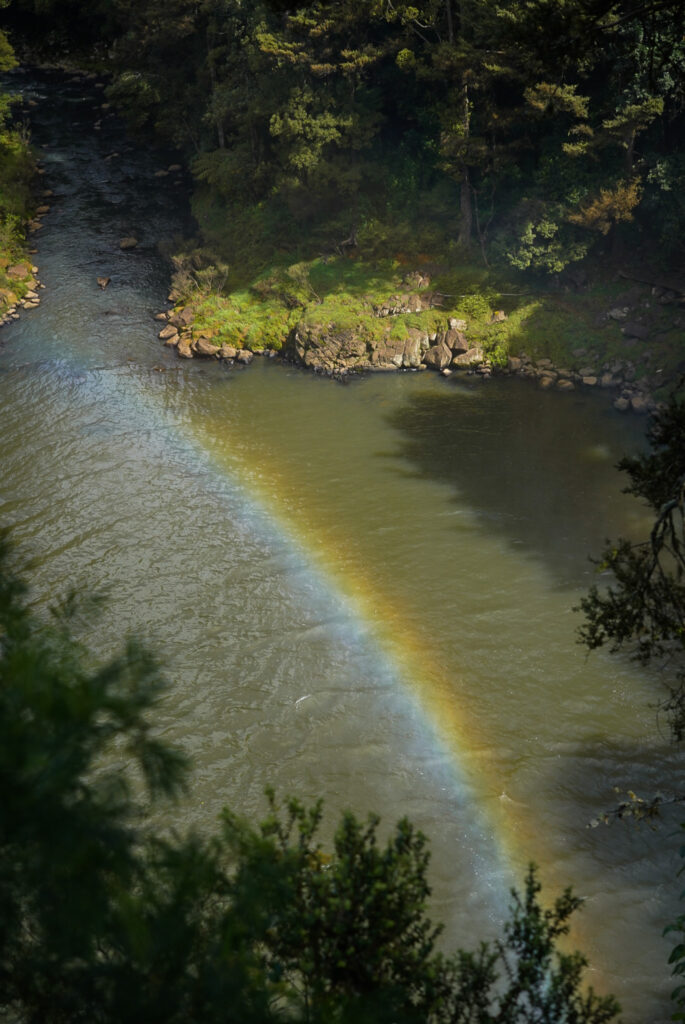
[363, 592]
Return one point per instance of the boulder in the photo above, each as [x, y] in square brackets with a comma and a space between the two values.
[456, 340]
[472, 357]
[182, 317]
[167, 332]
[43, 209]
[457, 325]
[332, 349]
[18, 271]
[103, 281]
[622, 404]
[546, 381]
[438, 356]
[640, 403]
[227, 352]
[633, 330]
[204, 347]
[607, 381]
[590, 381]
[162, 316]
[498, 317]
[565, 385]
[544, 363]
[587, 371]
[243, 355]
[514, 364]
[183, 349]
[406, 303]
[128, 243]
[415, 345]
[617, 314]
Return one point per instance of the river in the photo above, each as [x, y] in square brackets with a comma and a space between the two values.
[362, 592]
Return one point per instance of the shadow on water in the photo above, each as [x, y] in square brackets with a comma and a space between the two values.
[537, 469]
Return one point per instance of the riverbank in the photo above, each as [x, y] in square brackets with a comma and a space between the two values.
[337, 315]
[21, 211]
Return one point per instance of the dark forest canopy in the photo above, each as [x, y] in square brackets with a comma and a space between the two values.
[534, 131]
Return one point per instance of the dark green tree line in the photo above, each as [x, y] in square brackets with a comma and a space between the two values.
[532, 132]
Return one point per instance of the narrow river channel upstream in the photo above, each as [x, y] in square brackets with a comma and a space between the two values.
[362, 592]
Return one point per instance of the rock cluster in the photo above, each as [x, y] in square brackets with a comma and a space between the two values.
[618, 376]
[178, 334]
[339, 351]
[24, 274]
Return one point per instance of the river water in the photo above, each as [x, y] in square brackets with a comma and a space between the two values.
[362, 592]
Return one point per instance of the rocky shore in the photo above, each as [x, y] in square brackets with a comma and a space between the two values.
[387, 343]
[22, 284]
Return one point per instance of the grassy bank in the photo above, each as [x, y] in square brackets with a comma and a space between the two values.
[17, 199]
[572, 326]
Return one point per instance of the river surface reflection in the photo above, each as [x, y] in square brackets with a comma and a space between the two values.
[362, 592]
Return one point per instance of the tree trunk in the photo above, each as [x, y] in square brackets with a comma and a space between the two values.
[450, 22]
[466, 209]
[465, 198]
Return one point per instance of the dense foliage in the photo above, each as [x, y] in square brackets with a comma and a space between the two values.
[532, 130]
[104, 919]
[16, 167]
[643, 608]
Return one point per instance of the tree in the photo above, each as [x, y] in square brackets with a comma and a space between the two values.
[103, 919]
[643, 609]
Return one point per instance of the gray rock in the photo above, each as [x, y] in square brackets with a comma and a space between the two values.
[182, 318]
[457, 325]
[590, 380]
[204, 347]
[546, 382]
[244, 356]
[640, 403]
[183, 349]
[565, 385]
[514, 364]
[622, 404]
[227, 352]
[456, 340]
[633, 330]
[472, 357]
[607, 381]
[168, 332]
[415, 345]
[438, 356]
